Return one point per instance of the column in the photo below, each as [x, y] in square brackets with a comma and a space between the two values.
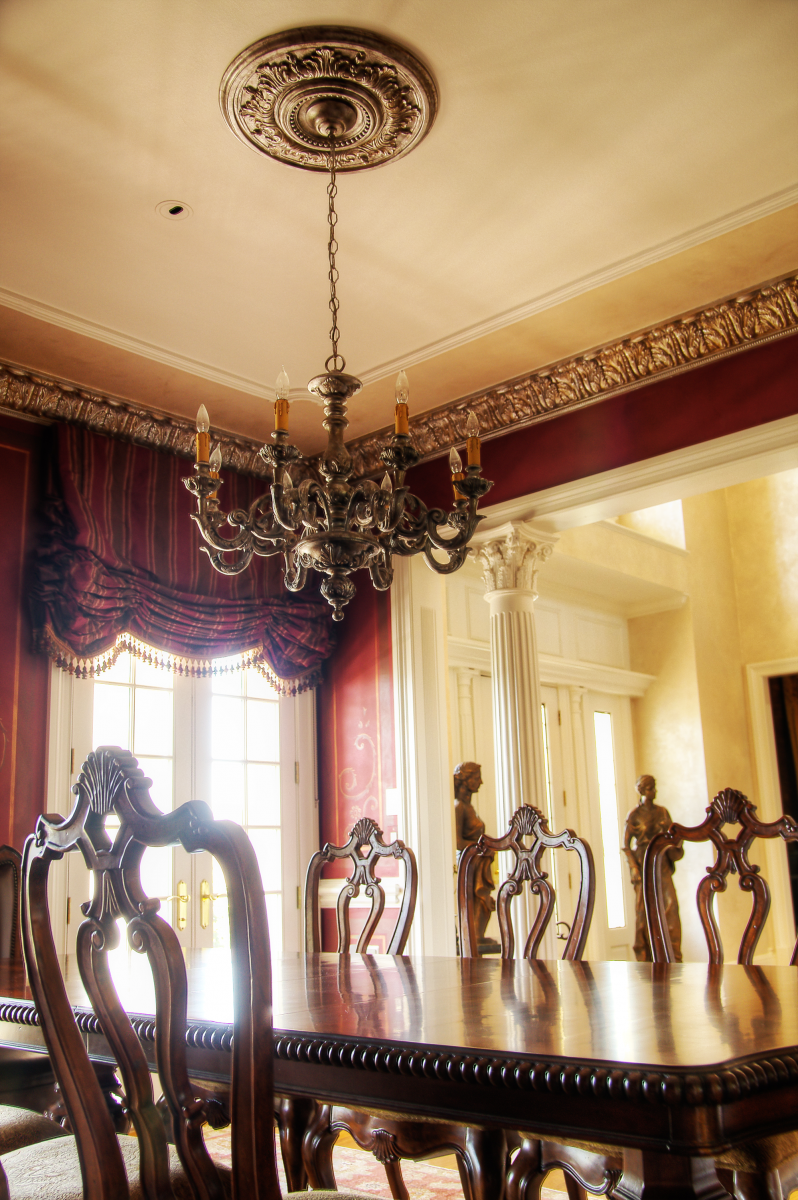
[511, 556]
[465, 713]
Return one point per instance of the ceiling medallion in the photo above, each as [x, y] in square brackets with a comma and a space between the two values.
[279, 94]
[336, 107]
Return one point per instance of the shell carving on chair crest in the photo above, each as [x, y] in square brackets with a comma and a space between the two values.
[100, 780]
[525, 819]
[364, 830]
[729, 806]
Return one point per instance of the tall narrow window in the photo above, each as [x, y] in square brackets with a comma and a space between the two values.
[544, 716]
[610, 830]
[245, 783]
[134, 708]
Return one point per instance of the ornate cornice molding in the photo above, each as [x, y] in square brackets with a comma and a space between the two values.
[726, 327]
[33, 394]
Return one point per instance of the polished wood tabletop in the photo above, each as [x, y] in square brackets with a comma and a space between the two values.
[678, 1057]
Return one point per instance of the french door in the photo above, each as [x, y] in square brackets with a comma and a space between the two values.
[228, 740]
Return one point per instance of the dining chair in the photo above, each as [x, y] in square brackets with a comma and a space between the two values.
[27, 1081]
[770, 1166]
[364, 849]
[481, 1154]
[584, 1170]
[95, 1163]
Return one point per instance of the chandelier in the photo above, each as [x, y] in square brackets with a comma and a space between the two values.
[335, 100]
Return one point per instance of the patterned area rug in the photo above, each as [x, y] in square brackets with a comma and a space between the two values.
[360, 1172]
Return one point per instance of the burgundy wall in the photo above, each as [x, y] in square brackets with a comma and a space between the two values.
[355, 734]
[740, 392]
[24, 676]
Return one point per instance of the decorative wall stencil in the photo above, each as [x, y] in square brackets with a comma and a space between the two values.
[357, 779]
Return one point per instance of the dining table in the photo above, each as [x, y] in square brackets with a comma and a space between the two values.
[667, 1065]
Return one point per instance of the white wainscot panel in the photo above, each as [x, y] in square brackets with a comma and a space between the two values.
[478, 615]
[600, 641]
[547, 628]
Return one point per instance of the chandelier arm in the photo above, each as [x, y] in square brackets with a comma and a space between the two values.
[285, 508]
[381, 572]
[226, 568]
[464, 523]
[294, 575]
[454, 562]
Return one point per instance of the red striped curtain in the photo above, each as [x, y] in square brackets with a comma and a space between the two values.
[119, 554]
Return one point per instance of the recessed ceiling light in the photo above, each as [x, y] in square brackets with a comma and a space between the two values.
[174, 210]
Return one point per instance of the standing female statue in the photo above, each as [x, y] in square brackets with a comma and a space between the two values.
[470, 828]
[642, 824]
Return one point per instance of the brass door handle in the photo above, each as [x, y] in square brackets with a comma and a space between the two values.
[182, 897]
[206, 895]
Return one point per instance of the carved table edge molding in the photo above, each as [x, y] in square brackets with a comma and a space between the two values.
[711, 1085]
[726, 327]
[741, 322]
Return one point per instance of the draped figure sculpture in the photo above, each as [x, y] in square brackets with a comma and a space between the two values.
[643, 823]
[469, 829]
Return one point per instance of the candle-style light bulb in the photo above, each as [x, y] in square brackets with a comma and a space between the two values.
[203, 437]
[400, 412]
[216, 460]
[472, 439]
[281, 405]
[402, 388]
[455, 462]
[386, 484]
[288, 482]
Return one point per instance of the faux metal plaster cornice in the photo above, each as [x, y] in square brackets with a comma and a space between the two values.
[769, 312]
[36, 395]
[710, 333]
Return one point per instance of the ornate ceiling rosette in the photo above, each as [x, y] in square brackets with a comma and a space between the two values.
[281, 94]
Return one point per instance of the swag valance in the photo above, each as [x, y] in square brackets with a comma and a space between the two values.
[119, 555]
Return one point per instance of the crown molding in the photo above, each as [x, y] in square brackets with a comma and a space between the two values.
[33, 395]
[724, 328]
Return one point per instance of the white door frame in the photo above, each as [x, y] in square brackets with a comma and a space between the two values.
[766, 773]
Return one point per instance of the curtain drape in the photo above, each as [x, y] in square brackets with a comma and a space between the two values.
[118, 554]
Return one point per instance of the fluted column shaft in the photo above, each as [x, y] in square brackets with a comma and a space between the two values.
[510, 558]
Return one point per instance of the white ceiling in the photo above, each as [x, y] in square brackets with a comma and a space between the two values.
[575, 144]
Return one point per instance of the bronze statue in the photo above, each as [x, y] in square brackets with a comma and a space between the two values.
[470, 828]
[642, 824]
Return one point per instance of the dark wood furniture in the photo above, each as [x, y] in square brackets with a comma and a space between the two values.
[26, 1079]
[641, 1056]
[527, 822]
[95, 1164]
[775, 1157]
[388, 1139]
[536, 1158]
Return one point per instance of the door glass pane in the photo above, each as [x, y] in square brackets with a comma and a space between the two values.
[610, 829]
[111, 715]
[245, 783]
[546, 756]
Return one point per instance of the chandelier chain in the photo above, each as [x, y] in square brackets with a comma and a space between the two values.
[335, 362]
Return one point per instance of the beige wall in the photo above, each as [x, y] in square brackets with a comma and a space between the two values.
[669, 743]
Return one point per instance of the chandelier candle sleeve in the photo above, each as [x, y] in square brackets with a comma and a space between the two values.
[281, 403]
[402, 396]
[203, 436]
[472, 440]
[215, 464]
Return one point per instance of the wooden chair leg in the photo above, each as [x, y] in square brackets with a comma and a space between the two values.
[575, 1190]
[317, 1150]
[749, 1185]
[485, 1152]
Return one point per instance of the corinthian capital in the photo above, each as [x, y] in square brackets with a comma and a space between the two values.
[511, 555]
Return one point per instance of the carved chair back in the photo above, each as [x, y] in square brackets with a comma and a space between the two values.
[10, 869]
[364, 849]
[526, 822]
[110, 783]
[729, 807]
